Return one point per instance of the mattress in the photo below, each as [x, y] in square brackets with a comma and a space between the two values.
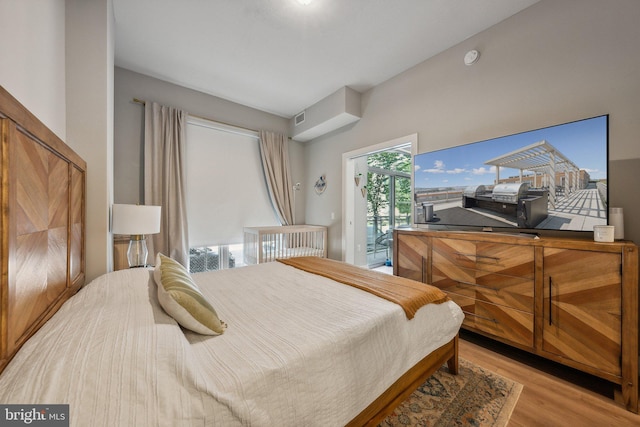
[269, 253]
[300, 349]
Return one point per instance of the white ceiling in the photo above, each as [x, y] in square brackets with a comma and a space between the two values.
[282, 57]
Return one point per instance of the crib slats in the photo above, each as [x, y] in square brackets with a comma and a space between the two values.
[266, 244]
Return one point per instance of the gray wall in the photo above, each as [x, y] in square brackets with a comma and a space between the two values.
[61, 69]
[557, 61]
[37, 80]
[129, 128]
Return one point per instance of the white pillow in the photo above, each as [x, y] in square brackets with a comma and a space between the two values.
[181, 298]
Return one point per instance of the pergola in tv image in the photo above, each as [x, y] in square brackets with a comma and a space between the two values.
[541, 157]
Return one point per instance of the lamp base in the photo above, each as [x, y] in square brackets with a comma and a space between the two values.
[137, 252]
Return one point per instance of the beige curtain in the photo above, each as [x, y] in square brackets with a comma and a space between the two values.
[274, 150]
[164, 178]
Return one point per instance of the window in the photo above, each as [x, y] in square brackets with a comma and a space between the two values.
[225, 192]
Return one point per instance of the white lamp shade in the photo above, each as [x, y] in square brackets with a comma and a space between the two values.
[135, 219]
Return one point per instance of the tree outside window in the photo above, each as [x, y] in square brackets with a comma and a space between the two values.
[388, 189]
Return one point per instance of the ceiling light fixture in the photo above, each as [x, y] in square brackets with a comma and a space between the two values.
[304, 2]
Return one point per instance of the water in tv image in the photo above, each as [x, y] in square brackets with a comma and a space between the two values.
[553, 178]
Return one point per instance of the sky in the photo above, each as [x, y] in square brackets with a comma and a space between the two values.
[583, 142]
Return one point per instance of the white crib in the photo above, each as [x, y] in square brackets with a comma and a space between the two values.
[266, 244]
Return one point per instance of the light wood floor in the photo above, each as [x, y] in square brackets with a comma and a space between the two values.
[553, 395]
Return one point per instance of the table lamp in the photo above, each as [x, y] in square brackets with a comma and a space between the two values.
[136, 221]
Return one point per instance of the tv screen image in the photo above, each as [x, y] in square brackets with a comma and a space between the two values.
[554, 178]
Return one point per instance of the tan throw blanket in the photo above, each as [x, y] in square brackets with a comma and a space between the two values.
[409, 294]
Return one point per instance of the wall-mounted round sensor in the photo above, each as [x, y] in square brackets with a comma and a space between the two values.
[471, 57]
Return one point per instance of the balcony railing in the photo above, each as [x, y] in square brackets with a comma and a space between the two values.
[380, 239]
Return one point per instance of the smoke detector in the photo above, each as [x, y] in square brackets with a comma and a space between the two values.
[471, 57]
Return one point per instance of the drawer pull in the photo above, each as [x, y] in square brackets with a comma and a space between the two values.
[480, 317]
[550, 302]
[479, 286]
[479, 258]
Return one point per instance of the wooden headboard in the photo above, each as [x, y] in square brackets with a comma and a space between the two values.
[42, 222]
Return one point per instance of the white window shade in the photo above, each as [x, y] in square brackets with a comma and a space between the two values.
[225, 184]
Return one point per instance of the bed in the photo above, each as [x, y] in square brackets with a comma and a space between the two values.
[266, 244]
[299, 348]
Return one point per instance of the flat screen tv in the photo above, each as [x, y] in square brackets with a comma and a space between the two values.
[554, 178]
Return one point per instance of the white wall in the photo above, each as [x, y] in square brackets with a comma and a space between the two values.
[58, 62]
[557, 61]
[89, 76]
[32, 68]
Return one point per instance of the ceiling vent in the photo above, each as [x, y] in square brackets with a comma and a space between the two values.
[333, 112]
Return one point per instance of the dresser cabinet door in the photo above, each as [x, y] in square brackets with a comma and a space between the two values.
[583, 307]
[412, 252]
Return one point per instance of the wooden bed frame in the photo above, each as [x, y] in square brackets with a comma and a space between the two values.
[408, 383]
[43, 251]
[43, 225]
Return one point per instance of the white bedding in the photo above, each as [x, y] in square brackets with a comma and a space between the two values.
[299, 350]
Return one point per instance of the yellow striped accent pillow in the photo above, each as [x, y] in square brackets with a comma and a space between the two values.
[181, 298]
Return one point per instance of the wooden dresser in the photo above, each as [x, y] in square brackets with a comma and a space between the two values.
[574, 301]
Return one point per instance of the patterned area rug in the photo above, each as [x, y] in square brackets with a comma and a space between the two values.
[474, 397]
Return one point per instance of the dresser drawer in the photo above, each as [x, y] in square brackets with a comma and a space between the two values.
[512, 260]
[511, 291]
[504, 322]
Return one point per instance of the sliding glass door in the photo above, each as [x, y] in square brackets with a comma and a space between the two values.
[388, 202]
